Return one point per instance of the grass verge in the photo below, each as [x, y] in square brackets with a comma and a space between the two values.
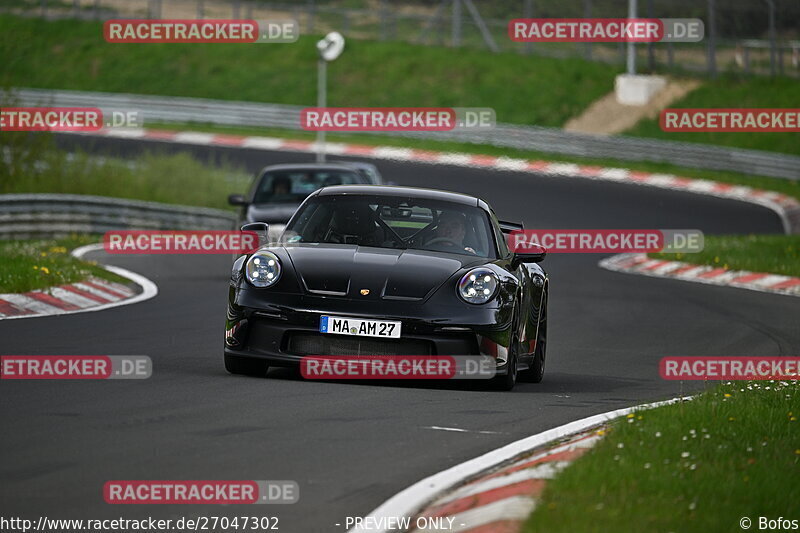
[778, 254]
[788, 187]
[697, 466]
[732, 91]
[34, 165]
[72, 54]
[39, 264]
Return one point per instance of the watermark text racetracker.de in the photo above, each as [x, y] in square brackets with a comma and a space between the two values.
[607, 240]
[25, 367]
[606, 30]
[82, 119]
[398, 367]
[730, 120]
[730, 368]
[397, 118]
[230, 31]
[180, 242]
[218, 492]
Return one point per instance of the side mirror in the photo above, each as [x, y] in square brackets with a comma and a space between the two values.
[259, 228]
[236, 199]
[534, 253]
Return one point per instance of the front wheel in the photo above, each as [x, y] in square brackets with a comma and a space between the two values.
[507, 382]
[246, 366]
[535, 373]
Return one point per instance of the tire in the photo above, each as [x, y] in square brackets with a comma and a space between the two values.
[507, 382]
[245, 366]
[535, 373]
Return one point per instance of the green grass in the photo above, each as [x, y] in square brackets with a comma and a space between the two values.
[71, 54]
[31, 265]
[788, 187]
[698, 466]
[778, 254]
[735, 92]
[36, 166]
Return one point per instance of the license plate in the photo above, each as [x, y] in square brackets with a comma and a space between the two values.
[356, 326]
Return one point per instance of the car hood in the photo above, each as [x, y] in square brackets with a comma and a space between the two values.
[341, 270]
[271, 213]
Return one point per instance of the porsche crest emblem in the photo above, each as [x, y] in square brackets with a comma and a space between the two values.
[364, 292]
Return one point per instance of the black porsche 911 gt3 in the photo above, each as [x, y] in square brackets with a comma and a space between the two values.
[433, 264]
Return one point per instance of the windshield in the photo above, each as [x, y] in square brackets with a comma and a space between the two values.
[393, 222]
[293, 186]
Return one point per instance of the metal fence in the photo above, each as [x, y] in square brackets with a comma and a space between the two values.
[760, 37]
[25, 216]
[550, 140]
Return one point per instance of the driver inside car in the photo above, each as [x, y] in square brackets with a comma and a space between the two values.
[450, 232]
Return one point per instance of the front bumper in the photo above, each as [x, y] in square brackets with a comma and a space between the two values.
[286, 329]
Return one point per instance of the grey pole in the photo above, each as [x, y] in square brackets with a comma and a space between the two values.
[631, 49]
[712, 39]
[587, 13]
[384, 26]
[456, 24]
[772, 38]
[527, 13]
[651, 54]
[322, 70]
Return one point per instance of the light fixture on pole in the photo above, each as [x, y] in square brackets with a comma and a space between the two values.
[329, 48]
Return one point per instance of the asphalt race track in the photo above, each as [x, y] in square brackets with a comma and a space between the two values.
[350, 446]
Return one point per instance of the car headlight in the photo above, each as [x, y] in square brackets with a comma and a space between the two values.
[263, 269]
[478, 286]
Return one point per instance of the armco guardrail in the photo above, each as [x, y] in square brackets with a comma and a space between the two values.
[25, 216]
[552, 140]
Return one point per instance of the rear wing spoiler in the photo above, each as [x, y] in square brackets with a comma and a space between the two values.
[508, 227]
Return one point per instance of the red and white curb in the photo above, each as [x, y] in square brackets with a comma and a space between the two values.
[500, 502]
[787, 207]
[93, 294]
[742, 279]
[498, 490]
